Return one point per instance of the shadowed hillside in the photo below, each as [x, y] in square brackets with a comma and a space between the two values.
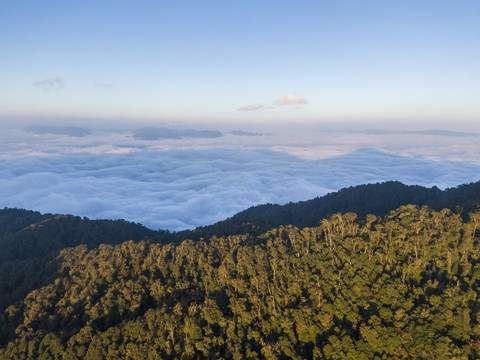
[377, 199]
[25, 234]
[30, 242]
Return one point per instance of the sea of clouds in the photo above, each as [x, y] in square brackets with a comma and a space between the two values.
[184, 183]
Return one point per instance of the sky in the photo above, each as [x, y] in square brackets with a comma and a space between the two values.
[244, 62]
[182, 113]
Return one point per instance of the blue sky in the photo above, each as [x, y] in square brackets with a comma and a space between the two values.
[248, 61]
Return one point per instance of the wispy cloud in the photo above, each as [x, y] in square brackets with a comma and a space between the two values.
[103, 85]
[50, 84]
[252, 107]
[290, 99]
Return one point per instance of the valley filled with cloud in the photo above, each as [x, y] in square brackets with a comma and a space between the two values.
[192, 178]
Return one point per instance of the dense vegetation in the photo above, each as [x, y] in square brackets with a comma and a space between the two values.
[30, 242]
[404, 285]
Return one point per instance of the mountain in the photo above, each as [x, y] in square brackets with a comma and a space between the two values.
[401, 286]
[377, 199]
[30, 243]
[346, 275]
[25, 234]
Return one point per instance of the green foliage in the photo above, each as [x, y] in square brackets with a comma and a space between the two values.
[401, 286]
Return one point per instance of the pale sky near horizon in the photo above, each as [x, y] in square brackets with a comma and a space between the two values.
[247, 61]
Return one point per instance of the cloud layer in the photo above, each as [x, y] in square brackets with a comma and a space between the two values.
[59, 130]
[154, 133]
[178, 189]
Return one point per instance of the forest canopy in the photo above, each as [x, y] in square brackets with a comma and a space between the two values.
[404, 285]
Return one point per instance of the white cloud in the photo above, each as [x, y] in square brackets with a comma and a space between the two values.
[50, 84]
[252, 107]
[291, 99]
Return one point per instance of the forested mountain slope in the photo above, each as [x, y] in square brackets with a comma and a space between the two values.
[401, 286]
[25, 234]
[377, 199]
[30, 242]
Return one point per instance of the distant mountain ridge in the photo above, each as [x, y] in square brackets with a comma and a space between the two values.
[25, 234]
[377, 199]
